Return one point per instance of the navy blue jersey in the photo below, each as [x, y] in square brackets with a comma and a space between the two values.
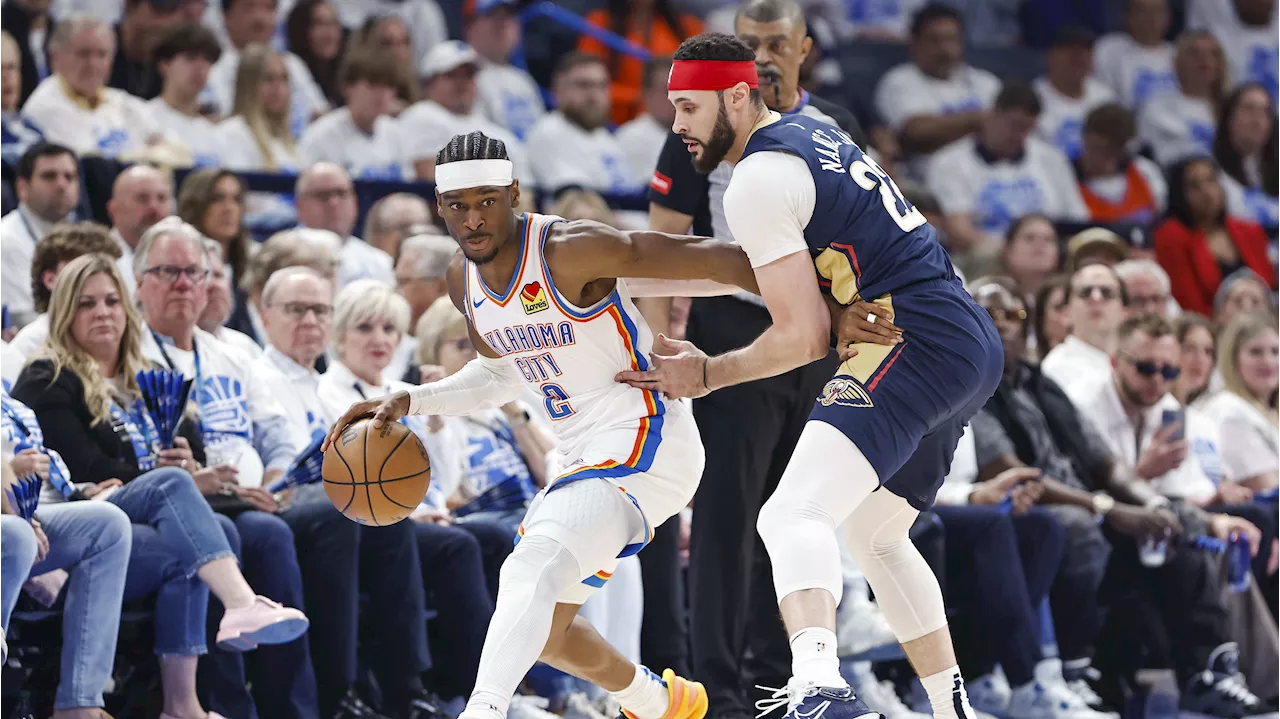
[866, 239]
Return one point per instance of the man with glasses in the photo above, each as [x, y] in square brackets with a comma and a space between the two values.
[1096, 302]
[1108, 508]
[326, 200]
[1147, 285]
[339, 557]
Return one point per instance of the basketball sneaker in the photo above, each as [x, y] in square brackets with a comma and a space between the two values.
[685, 699]
[263, 622]
[806, 700]
[1220, 690]
[881, 695]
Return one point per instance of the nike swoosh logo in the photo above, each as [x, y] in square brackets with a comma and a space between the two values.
[477, 304]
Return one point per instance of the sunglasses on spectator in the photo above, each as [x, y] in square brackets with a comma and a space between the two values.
[1151, 369]
[299, 310]
[1103, 291]
[171, 273]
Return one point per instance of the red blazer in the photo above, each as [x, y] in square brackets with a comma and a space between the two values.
[1194, 271]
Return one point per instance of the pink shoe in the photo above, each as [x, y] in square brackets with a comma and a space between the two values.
[263, 622]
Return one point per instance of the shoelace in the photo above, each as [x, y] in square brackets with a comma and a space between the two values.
[788, 696]
[1081, 688]
[1234, 688]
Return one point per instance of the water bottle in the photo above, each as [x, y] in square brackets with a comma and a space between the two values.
[1239, 576]
[1153, 552]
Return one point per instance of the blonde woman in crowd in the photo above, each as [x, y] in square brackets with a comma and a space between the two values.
[257, 138]
[1245, 410]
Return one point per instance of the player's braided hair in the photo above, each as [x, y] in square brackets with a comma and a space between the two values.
[472, 146]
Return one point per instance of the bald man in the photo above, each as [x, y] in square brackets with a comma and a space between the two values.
[140, 197]
[394, 218]
[326, 200]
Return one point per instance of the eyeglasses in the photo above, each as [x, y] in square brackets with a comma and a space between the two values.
[1151, 369]
[1147, 300]
[299, 310]
[1103, 291]
[171, 273]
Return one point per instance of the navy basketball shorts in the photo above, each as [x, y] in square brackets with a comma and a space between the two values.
[905, 406]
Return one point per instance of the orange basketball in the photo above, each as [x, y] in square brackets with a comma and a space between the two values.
[376, 476]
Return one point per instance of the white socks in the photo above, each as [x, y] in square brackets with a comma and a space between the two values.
[646, 697]
[947, 695]
[813, 657]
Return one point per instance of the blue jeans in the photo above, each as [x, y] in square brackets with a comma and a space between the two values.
[91, 541]
[168, 500]
[284, 684]
[17, 554]
[181, 600]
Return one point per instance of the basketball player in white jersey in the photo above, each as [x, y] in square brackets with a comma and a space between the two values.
[546, 309]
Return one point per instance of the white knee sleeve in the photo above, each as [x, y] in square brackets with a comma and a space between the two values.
[825, 480]
[904, 585]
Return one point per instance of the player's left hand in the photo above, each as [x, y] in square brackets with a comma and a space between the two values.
[680, 374]
[864, 322]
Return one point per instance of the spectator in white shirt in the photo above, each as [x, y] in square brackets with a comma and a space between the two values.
[1096, 304]
[1117, 186]
[1176, 449]
[573, 146]
[420, 280]
[257, 136]
[327, 201]
[1067, 90]
[183, 56]
[298, 320]
[389, 35]
[1247, 31]
[395, 218]
[1246, 408]
[48, 188]
[64, 243]
[1245, 147]
[212, 201]
[1137, 63]
[642, 138]
[74, 106]
[1147, 286]
[508, 95]
[1180, 122]
[935, 99]
[299, 247]
[218, 303]
[253, 22]
[985, 182]
[140, 197]
[362, 137]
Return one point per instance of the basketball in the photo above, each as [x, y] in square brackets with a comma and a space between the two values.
[376, 476]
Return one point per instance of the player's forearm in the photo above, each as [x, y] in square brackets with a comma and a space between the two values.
[484, 383]
[926, 133]
[657, 255]
[778, 350]
[648, 289]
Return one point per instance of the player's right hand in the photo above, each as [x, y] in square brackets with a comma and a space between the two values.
[383, 409]
[854, 325]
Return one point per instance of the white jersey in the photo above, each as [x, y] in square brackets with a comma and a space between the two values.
[646, 446]
[568, 355]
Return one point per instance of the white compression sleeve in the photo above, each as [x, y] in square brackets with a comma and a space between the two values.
[484, 383]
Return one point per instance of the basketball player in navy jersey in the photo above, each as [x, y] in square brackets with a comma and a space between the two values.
[824, 225]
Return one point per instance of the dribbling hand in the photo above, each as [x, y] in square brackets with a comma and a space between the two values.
[383, 409]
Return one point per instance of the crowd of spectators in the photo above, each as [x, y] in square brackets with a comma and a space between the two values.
[188, 185]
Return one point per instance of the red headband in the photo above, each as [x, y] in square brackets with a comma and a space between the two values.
[711, 74]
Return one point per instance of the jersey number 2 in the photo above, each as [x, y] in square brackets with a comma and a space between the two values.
[557, 401]
[868, 174]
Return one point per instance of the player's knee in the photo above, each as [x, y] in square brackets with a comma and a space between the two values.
[782, 517]
[540, 567]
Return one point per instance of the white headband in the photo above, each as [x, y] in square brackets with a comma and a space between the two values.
[466, 174]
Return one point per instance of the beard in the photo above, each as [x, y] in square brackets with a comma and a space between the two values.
[588, 117]
[715, 148]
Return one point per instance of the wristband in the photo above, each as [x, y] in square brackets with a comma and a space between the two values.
[705, 362]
